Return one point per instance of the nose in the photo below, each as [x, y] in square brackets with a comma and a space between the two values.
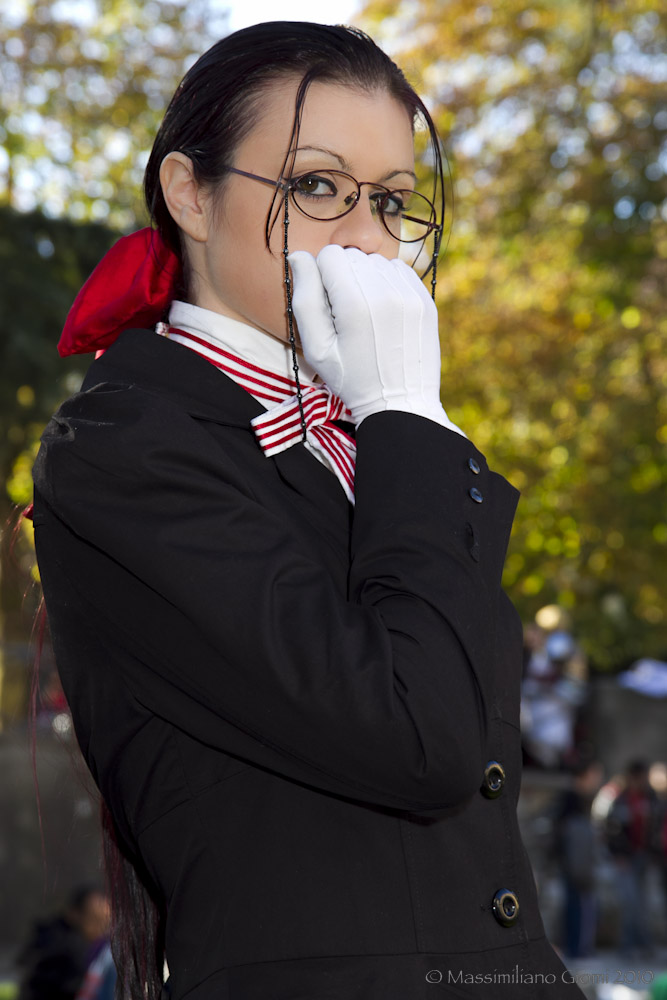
[361, 228]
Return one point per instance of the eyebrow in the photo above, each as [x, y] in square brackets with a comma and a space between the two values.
[344, 165]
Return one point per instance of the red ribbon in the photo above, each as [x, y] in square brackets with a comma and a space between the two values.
[132, 286]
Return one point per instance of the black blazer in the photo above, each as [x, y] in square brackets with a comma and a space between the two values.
[289, 704]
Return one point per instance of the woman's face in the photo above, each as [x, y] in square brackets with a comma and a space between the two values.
[365, 134]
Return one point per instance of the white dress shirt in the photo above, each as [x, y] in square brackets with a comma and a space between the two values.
[245, 342]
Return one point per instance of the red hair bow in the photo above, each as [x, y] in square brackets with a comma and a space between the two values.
[133, 285]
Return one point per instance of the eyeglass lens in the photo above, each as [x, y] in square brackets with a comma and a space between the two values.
[327, 194]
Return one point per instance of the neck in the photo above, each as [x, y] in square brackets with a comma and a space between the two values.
[250, 342]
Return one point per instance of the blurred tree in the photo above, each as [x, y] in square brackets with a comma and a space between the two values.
[84, 85]
[43, 263]
[552, 291]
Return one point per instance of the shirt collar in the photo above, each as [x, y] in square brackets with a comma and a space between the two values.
[247, 342]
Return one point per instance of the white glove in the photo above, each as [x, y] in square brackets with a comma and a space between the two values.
[369, 328]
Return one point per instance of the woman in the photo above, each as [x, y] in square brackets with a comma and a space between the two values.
[295, 681]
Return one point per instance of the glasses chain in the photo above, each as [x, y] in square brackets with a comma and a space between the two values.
[434, 261]
[290, 320]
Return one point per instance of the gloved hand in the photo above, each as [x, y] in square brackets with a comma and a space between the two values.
[369, 328]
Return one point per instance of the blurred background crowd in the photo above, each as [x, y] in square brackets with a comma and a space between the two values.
[553, 323]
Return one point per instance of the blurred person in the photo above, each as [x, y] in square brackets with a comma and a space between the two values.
[100, 980]
[535, 658]
[553, 690]
[631, 827]
[577, 852]
[660, 844]
[54, 961]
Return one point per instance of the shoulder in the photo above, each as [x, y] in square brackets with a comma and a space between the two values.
[111, 416]
[116, 436]
[108, 407]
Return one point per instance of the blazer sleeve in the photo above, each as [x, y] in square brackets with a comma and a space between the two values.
[240, 636]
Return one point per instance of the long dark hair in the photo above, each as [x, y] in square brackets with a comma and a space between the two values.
[214, 108]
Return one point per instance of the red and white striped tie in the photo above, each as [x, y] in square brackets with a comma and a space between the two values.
[280, 426]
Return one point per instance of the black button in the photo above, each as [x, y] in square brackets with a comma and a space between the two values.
[475, 494]
[505, 907]
[494, 779]
[473, 466]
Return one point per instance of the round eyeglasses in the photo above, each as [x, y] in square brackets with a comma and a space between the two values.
[326, 195]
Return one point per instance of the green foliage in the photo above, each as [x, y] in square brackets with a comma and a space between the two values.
[84, 88]
[552, 290]
[43, 263]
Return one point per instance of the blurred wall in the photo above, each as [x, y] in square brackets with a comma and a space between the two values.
[627, 725]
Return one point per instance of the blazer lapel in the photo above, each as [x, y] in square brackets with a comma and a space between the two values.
[303, 472]
[141, 357]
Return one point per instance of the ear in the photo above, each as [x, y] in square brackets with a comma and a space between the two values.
[184, 197]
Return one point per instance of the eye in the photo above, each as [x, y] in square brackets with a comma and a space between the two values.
[315, 186]
[393, 204]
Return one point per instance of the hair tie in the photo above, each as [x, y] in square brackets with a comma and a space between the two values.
[132, 286]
